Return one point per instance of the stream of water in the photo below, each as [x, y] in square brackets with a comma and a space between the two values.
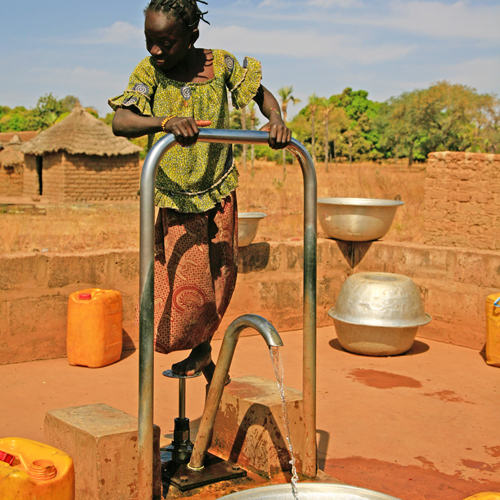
[280, 374]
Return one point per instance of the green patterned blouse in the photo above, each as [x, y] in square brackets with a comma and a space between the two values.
[193, 179]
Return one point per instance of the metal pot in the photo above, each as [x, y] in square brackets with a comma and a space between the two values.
[378, 313]
[309, 491]
[356, 219]
[248, 223]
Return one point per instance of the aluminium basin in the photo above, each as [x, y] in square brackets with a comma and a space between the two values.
[309, 491]
[248, 223]
[356, 219]
[378, 314]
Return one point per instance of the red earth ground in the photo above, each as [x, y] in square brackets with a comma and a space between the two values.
[421, 425]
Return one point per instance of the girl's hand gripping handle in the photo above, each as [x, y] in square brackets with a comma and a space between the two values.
[185, 129]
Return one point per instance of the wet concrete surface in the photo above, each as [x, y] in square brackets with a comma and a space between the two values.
[422, 425]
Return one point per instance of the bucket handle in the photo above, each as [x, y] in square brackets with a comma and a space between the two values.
[497, 302]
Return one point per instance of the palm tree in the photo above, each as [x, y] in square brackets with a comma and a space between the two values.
[314, 104]
[327, 107]
[286, 97]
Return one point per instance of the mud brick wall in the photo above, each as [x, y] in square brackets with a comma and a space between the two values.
[462, 200]
[11, 182]
[101, 177]
[84, 178]
[454, 283]
[52, 177]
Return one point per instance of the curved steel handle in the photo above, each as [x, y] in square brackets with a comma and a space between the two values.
[146, 295]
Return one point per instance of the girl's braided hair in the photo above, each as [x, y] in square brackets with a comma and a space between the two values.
[185, 10]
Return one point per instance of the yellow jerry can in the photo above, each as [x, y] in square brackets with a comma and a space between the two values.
[31, 470]
[488, 495]
[493, 329]
[94, 327]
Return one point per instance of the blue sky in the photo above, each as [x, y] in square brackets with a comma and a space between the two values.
[89, 48]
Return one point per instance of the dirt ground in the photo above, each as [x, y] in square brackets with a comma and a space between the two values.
[76, 227]
[420, 425]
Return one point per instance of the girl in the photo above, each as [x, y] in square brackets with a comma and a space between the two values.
[176, 90]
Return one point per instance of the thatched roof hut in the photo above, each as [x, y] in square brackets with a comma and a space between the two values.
[11, 157]
[79, 159]
[11, 168]
[80, 133]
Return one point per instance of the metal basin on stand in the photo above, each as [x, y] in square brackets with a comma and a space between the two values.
[309, 491]
[248, 223]
[356, 219]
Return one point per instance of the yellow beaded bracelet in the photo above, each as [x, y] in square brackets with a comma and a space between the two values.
[165, 121]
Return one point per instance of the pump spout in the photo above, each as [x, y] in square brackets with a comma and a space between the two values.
[228, 347]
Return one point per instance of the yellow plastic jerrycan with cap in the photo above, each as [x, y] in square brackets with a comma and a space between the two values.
[95, 319]
[487, 495]
[31, 470]
[493, 329]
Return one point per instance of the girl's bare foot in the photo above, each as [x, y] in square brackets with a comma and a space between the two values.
[199, 358]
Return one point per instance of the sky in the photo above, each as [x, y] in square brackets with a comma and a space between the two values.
[88, 48]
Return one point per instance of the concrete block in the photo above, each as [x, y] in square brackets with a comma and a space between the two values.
[74, 269]
[281, 294]
[17, 272]
[257, 257]
[126, 267]
[249, 427]
[102, 441]
[37, 327]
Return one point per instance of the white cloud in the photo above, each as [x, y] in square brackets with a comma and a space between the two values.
[301, 44]
[120, 32]
[438, 19]
[480, 73]
[462, 19]
[333, 3]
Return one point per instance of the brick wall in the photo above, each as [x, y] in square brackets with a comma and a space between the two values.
[52, 176]
[462, 200]
[101, 177]
[11, 181]
[454, 282]
[84, 178]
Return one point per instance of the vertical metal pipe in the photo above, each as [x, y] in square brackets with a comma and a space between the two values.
[309, 467]
[146, 296]
[182, 398]
[146, 317]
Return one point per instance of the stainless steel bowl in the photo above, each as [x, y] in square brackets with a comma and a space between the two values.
[309, 491]
[356, 219]
[248, 223]
[378, 313]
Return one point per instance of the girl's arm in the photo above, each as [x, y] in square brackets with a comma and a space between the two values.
[279, 134]
[126, 123]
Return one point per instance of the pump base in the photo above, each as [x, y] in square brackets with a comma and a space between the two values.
[214, 471]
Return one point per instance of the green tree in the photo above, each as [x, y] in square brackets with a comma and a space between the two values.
[361, 137]
[443, 117]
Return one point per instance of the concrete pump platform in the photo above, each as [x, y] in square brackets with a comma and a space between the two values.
[421, 425]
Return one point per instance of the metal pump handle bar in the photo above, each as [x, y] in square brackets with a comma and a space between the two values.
[146, 295]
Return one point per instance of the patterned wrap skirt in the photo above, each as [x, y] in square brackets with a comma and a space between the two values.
[195, 273]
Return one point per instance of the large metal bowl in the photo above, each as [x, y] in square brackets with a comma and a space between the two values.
[248, 223]
[378, 313]
[356, 219]
[309, 491]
